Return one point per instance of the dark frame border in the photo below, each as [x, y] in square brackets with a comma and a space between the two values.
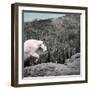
[14, 43]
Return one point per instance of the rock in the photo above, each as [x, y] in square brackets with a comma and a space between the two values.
[74, 63]
[77, 55]
[73, 58]
[49, 69]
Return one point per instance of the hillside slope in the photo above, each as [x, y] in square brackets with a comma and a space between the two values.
[71, 67]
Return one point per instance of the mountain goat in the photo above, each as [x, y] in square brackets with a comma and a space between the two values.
[33, 48]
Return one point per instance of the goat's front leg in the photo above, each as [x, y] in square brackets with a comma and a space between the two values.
[36, 55]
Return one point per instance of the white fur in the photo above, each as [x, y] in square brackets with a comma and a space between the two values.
[30, 48]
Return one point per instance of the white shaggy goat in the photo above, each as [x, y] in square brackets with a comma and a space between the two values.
[33, 48]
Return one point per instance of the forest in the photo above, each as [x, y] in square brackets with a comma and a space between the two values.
[61, 35]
